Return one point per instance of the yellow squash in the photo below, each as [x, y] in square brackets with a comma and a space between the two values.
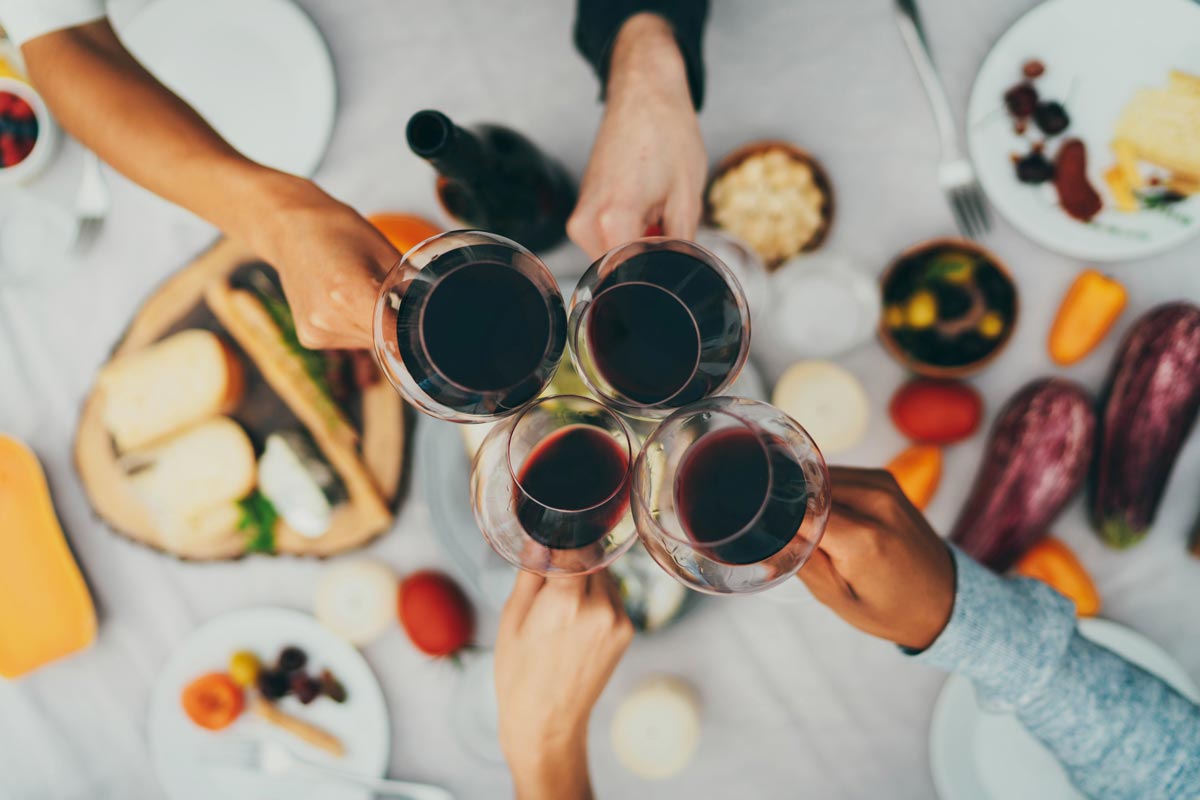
[45, 609]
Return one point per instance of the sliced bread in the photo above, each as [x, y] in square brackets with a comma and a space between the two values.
[184, 480]
[153, 393]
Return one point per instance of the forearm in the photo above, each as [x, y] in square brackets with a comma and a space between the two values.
[645, 60]
[599, 23]
[558, 775]
[99, 93]
[1118, 731]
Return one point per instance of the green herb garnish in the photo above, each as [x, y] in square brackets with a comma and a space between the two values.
[259, 517]
[313, 361]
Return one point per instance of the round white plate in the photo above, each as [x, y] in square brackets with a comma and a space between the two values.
[1097, 53]
[979, 755]
[194, 764]
[257, 70]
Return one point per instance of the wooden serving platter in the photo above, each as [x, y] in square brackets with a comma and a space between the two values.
[365, 447]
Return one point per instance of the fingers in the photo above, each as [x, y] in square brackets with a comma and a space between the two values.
[598, 231]
[823, 580]
[681, 215]
[524, 592]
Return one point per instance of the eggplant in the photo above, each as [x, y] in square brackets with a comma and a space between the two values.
[1036, 459]
[1150, 404]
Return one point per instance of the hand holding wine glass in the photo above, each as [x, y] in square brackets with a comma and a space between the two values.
[559, 641]
[880, 566]
[648, 162]
[330, 261]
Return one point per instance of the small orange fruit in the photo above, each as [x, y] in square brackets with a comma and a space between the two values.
[404, 231]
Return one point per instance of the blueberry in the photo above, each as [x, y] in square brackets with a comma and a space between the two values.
[1051, 117]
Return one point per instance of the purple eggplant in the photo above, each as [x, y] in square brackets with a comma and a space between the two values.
[1150, 405]
[1036, 459]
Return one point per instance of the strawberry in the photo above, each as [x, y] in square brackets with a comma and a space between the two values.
[435, 613]
[6, 100]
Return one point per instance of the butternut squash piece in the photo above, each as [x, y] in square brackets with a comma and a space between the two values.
[1053, 563]
[45, 609]
[918, 470]
[1085, 316]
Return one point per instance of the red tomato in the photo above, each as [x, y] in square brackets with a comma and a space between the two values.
[936, 412]
[435, 613]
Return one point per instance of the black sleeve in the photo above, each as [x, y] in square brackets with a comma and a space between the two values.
[598, 21]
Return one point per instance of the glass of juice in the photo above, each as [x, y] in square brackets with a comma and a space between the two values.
[550, 487]
[469, 326]
[730, 495]
[656, 324]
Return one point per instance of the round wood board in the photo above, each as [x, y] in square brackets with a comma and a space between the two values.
[370, 462]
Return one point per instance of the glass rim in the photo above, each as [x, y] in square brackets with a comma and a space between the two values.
[762, 506]
[626, 478]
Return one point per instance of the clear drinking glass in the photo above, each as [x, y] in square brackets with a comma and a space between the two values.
[730, 496]
[550, 487]
[469, 326]
[656, 324]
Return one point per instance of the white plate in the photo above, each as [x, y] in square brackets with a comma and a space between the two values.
[257, 70]
[1097, 54]
[188, 759]
[977, 755]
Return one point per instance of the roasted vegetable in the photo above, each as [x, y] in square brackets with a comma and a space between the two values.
[1085, 316]
[1053, 563]
[1150, 404]
[1035, 461]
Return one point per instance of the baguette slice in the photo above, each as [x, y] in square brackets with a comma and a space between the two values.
[190, 483]
[169, 386]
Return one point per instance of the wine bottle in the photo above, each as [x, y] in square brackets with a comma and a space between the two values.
[494, 179]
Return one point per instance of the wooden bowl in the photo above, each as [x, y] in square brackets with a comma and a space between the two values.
[937, 370]
[820, 178]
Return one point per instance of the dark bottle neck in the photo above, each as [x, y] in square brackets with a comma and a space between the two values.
[453, 151]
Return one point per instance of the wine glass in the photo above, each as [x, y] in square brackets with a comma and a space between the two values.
[730, 496]
[469, 326]
[656, 324]
[550, 487]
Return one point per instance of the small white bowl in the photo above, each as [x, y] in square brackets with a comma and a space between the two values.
[47, 139]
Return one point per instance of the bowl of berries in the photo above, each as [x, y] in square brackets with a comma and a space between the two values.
[27, 133]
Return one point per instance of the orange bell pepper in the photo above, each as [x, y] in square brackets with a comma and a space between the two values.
[1052, 562]
[1085, 316]
[918, 470]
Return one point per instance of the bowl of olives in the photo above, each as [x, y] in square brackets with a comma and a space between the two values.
[949, 308]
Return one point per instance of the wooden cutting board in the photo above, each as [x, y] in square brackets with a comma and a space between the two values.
[365, 447]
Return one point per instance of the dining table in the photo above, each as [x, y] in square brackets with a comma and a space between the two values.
[794, 702]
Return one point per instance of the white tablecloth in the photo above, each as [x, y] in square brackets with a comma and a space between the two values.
[796, 703]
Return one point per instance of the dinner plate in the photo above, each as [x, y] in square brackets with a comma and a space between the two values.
[195, 764]
[1097, 54]
[257, 70]
[980, 755]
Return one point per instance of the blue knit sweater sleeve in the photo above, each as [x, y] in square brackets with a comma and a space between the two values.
[1119, 731]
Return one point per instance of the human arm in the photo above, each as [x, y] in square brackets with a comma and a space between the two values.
[648, 162]
[328, 257]
[559, 641]
[1119, 731]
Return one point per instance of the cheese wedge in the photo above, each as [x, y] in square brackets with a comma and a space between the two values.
[1163, 124]
[169, 386]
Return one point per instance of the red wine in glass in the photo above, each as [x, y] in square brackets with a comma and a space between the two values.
[658, 324]
[745, 488]
[574, 487]
[475, 331]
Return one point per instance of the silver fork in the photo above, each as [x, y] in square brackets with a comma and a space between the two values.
[955, 174]
[92, 202]
[271, 757]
